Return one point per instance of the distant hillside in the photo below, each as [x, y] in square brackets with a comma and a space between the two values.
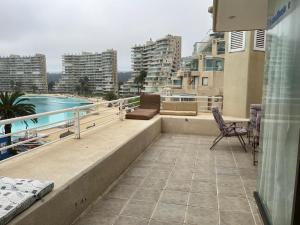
[53, 77]
[124, 76]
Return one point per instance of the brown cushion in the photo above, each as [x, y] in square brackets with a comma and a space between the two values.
[150, 101]
[141, 114]
[180, 106]
[178, 113]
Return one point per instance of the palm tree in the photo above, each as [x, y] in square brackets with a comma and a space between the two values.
[11, 106]
[109, 96]
[83, 86]
[51, 86]
[140, 80]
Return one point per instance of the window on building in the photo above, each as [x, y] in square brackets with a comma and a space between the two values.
[237, 41]
[214, 65]
[204, 81]
[220, 47]
[194, 65]
[260, 40]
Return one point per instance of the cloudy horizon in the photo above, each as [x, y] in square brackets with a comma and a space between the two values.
[58, 27]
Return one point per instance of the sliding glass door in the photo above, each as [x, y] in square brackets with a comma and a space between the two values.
[281, 117]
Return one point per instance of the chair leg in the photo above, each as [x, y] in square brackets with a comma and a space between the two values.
[217, 137]
[248, 136]
[242, 142]
[255, 161]
[216, 141]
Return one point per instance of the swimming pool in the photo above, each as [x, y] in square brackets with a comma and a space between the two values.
[47, 104]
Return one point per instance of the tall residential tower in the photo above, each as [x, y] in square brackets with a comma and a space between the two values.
[99, 68]
[160, 59]
[23, 73]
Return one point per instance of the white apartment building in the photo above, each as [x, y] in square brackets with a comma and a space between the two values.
[23, 73]
[160, 59]
[165, 62]
[99, 68]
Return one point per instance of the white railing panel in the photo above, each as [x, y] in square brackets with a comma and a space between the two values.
[99, 114]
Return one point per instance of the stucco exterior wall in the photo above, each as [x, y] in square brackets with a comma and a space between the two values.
[243, 78]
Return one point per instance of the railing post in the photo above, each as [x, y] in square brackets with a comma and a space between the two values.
[121, 110]
[77, 123]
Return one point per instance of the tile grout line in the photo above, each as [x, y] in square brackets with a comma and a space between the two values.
[160, 195]
[164, 188]
[131, 196]
[241, 179]
[189, 194]
[218, 200]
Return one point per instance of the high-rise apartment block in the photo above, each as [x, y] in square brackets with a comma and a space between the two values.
[160, 59]
[100, 69]
[23, 73]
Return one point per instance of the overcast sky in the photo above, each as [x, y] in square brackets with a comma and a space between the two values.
[55, 27]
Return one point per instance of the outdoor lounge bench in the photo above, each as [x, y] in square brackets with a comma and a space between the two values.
[179, 108]
[16, 195]
[149, 107]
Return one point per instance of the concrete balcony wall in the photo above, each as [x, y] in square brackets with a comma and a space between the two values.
[80, 178]
[200, 125]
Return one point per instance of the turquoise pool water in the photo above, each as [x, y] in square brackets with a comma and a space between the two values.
[47, 104]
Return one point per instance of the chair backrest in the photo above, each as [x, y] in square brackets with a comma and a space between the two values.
[150, 101]
[219, 119]
[255, 109]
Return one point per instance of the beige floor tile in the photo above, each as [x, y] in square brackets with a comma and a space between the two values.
[232, 203]
[157, 222]
[236, 218]
[128, 180]
[147, 195]
[204, 200]
[96, 220]
[203, 186]
[199, 215]
[179, 185]
[138, 209]
[126, 220]
[109, 206]
[154, 183]
[174, 197]
[122, 191]
[169, 212]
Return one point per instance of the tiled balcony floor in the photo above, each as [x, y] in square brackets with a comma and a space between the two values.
[177, 181]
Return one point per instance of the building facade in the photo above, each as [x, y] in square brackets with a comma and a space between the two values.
[99, 69]
[203, 72]
[244, 71]
[160, 59]
[23, 73]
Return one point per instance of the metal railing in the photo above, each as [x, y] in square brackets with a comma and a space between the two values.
[84, 118]
[205, 103]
